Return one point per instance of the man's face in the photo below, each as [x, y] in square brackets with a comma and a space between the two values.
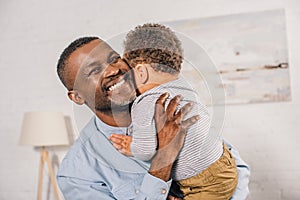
[101, 78]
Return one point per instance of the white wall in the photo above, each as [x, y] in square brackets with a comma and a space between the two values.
[34, 32]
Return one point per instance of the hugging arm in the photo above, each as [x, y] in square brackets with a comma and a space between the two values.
[171, 132]
[242, 189]
[155, 184]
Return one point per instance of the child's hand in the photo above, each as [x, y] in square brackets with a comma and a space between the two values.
[122, 143]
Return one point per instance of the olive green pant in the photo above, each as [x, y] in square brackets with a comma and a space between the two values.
[216, 182]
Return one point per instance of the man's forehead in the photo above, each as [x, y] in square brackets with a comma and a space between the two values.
[102, 49]
[100, 54]
[87, 53]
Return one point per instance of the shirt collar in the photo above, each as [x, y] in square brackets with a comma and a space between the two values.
[107, 130]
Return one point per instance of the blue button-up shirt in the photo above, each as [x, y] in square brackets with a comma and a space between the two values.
[94, 169]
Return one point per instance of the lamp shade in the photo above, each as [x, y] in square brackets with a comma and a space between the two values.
[44, 129]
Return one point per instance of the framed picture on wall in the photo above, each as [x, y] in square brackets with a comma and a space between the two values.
[250, 53]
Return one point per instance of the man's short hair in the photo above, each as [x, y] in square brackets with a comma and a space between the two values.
[154, 44]
[62, 62]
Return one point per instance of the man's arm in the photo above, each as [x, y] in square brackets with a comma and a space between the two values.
[242, 189]
[155, 184]
[77, 189]
[171, 134]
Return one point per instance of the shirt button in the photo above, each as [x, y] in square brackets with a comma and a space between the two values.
[163, 191]
[130, 130]
[137, 191]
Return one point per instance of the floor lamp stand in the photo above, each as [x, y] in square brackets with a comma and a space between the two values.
[45, 159]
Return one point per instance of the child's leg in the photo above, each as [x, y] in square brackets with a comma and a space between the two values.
[217, 182]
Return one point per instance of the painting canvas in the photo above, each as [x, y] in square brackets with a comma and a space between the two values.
[249, 51]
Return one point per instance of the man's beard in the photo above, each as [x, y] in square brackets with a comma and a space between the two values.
[119, 100]
[111, 107]
[116, 103]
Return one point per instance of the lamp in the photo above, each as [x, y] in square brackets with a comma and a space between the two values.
[42, 129]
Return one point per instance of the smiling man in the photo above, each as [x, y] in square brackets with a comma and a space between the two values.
[95, 75]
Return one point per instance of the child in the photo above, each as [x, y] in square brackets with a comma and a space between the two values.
[204, 168]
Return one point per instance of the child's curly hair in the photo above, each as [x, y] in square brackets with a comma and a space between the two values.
[156, 45]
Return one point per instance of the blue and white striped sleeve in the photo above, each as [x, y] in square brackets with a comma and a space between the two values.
[144, 139]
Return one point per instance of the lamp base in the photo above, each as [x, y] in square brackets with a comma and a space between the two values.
[45, 158]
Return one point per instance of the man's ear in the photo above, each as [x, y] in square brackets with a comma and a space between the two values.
[142, 72]
[75, 97]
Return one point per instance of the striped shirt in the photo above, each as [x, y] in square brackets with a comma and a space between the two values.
[201, 147]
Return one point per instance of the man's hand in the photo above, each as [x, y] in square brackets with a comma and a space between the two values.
[122, 143]
[171, 131]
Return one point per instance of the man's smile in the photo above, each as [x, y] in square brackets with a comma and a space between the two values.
[116, 85]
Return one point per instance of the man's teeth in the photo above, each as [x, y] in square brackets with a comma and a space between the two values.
[116, 86]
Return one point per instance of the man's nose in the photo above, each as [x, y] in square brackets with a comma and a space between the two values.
[111, 70]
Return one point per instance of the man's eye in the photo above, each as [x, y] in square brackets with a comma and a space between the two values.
[114, 59]
[95, 71]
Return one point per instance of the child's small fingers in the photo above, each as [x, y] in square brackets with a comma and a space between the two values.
[117, 136]
[123, 151]
[116, 140]
[117, 146]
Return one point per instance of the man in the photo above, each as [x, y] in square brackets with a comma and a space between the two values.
[95, 75]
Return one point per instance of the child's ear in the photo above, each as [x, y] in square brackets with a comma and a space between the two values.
[142, 72]
[75, 97]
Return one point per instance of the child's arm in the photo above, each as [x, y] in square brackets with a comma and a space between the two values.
[143, 142]
[144, 137]
[122, 143]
